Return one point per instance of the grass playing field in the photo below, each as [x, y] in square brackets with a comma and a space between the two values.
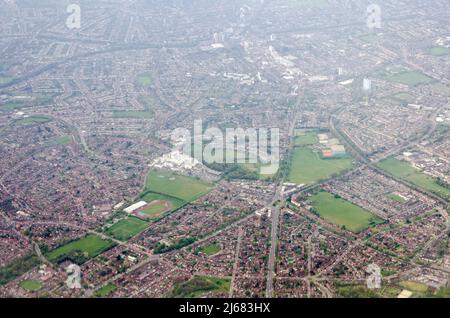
[151, 197]
[396, 197]
[210, 249]
[126, 228]
[60, 141]
[439, 51]
[307, 167]
[31, 285]
[404, 170]
[33, 120]
[200, 285]
[11, 106]
[181, 187]
[343, 213]
[81, 250]
[144, 80]
[133, 114]
[307, 138]
[106, 290]
[411, 78]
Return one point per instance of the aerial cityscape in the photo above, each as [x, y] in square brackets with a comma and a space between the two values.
[224, 149]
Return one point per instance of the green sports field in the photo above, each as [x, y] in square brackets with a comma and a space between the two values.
[343, 213]
[181, 187]
[439, 51]
[411, 78]
[210, 249]
[11, 106]
[144, 80]
[404, 170]
[133, 114]
[106, 290]
[199, 285]
[307, 138]
[81, 250]
[31, 285]
[160, 208]
[307, 167]
[126, 228]
[33, 120]
[396, 197]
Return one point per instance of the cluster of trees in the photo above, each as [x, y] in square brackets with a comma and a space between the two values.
[17, 268]
[164, 248]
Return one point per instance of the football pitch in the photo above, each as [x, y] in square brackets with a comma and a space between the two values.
[126, 228]
[343, 213]
[405, 171]
[81, 250]
[307, 167]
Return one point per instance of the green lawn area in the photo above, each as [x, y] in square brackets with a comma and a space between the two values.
[370, 38]
[106, 290]
[396, 197]
[411, 78]
[200, 285]
[308, 138]
[404, 170]
[17, 268]
[343, 213]
[126, 228]
[211, 249]
[81, 250]
[11, 106]
[5, 79]
[439, 51]
[31, 285]
[144, 80]
[181, 187]
[33, 120]
[133, 114]
[158, 209]
[405, 97]
[307, 167]
[60, 141]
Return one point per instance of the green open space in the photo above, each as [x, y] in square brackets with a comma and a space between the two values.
[133, 114]
[33, 120]
[81, 250]
[31, 285]
[126, 228]
[370, 38]
[157, 210]
[210, 249]
[59, 141]
[308, 167]
[439, 51]
[405, 171]
[12, 106]
[181, 187]
[5, 79]
[106, 290]
[404, 97]
[17, 268]
[199, 285]
[396, 197]
[144, 80]
[343, 213]
[306, 138]
[411, 78]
